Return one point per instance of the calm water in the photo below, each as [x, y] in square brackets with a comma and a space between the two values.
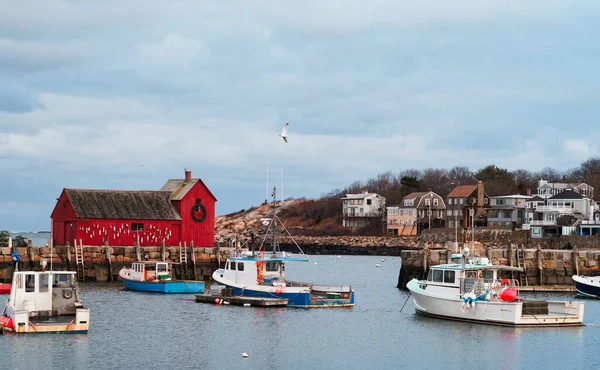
[37, 239]
[136, 330]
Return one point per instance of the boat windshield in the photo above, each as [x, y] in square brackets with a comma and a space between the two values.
[442, 276]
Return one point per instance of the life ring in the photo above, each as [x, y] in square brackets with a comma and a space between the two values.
[199, 208]
[67, 294]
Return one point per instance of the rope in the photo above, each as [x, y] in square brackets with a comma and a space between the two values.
[405, 302]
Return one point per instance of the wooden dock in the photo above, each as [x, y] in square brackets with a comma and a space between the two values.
[242, 301]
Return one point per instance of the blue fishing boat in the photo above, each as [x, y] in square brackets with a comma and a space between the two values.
[261, 274]
[157, 277]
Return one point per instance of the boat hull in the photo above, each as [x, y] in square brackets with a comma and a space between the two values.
[172, 286]
[494, 312]
[300, 299]
[587, 285]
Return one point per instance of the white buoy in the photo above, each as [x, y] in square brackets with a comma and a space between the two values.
[315, 263]
[246, 304]
[244, 355]
[339, 256]
[376, 265]
[383, 260]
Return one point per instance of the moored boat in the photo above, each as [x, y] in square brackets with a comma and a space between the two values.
[261, 274]
[157, 277]
[477, 291]
[587, 285]
[45, 302]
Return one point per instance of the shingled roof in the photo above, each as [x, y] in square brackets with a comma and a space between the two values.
[462, 191]
[178, 188]
[123, 204]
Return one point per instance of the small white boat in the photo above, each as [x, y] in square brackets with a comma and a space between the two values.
[476, 291]
[156, 277]
[587, 285]
[45, 302]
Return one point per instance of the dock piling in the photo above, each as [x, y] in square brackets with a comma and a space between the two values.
[108, 261]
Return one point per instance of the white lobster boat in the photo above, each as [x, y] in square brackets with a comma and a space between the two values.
[475, 291]
[261, 275]
[45, 302]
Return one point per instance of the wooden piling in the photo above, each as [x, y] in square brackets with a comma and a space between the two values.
[448, 255]
[163, 251]
[108, 261]
[193, 255]
[425, 253]
[138, 250]
[510, 255]
[69, 257]
[540, 265]
[576, 260]
[31, 256]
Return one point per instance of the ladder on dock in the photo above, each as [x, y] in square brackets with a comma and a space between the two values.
[183, 262]
[521, 264]
[79, 262]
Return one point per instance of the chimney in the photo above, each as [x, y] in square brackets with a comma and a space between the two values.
[528, 192]
[480, 197]
[188, 175]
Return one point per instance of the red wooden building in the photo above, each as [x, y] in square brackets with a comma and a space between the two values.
[183, 210]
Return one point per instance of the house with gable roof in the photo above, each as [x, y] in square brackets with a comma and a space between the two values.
[359, 210]
[417, 211]
[463, 197]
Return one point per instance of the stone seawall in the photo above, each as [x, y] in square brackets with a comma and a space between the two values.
[495, 238]
[542, 266]
[97, 267]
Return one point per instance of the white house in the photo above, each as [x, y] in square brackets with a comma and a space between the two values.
[561, 214]
[548, 189]
[360, 209]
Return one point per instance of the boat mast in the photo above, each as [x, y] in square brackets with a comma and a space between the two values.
[274, 221]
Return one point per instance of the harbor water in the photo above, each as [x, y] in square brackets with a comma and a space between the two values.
[153, 331]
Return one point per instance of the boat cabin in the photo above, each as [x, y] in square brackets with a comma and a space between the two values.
[150, 271]
[42, 297]
[458, 279]
[252, 270]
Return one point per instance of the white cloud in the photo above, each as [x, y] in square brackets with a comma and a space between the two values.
[90, 89]
[578, 147]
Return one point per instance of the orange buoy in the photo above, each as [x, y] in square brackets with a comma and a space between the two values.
[217, 301]
[279, 290]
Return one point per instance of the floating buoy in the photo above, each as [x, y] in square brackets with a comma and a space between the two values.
[217, 301]
[246, 304]
[509, 294]
[225, 302]
[339, 256]
[376, 265]
[383, 260]
[278, 290]
[315, 263]
[244, 355]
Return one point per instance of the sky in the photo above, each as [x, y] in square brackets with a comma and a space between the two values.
[125, 94]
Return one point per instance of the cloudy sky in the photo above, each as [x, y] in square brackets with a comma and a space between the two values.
[89, 90]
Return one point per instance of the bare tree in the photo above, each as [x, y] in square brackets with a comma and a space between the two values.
[548, 174]
[524, 181]
[460, 175]
[435, 179]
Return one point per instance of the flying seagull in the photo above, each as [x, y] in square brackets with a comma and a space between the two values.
[284, 134]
